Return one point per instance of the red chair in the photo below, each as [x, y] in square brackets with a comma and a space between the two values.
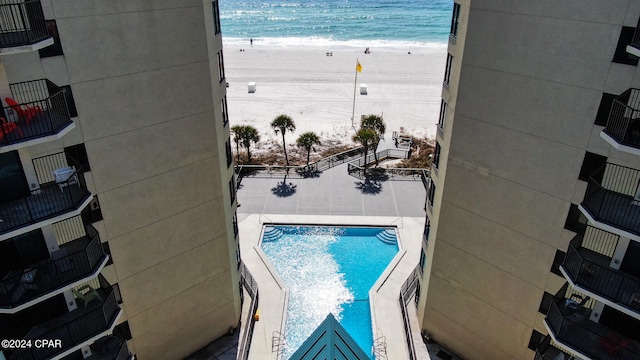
[8, 127]
[28, 112]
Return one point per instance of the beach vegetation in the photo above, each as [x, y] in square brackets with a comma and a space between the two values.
[375, 123]
[307, 142]
[283, 124]
[366, 137]
[245, 134]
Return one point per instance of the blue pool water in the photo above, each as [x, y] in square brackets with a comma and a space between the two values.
[328, 270]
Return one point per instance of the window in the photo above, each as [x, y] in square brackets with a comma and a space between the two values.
[238, 256]
[92, 213]
[216, 17]
[71, 103]
[432, 192]
[545, 303]
[557, 261]
[427, 229]
[436, 155]
[116, 292]
[417, 297]
[575, 219]
[227, 146]
[443, 114]
[235, 225]
[536, 340]
[455, 18]
[77, 154]
[590, 164]
[232, 189]
[603, 110]
[56, 48]
[107, 250]
[220, 67]
[423, 260]
[225, 112]
[447, 70]
[621, 55]
[122, 331]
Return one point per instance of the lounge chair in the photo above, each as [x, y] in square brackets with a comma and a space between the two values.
[28, 112]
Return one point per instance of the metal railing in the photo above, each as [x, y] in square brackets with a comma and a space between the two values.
[301, 171]
[603, 280]
[21, 23]
[74, 327]
[41, 111]
[72, 262]
[356, 168]
[407, 290]
[49, 200]
[546, 351]
[251, 286]
[570, 326]
[612, 197]
[623, 124]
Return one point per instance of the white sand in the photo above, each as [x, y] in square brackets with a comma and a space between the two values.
[316, 90]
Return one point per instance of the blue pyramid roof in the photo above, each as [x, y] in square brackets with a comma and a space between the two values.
[330, 341]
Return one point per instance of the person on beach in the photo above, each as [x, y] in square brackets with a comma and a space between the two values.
[251, 41]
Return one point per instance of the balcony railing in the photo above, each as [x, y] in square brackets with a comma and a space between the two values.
[624, 119]
[546, 351]
[50, 200]
[590, 270]
[41, 111]
[612, 197]
[74, 261]
[21, 23]
[635, 42]
[571, 327]
[73, 328]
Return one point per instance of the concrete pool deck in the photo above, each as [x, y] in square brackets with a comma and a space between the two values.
[386, 314]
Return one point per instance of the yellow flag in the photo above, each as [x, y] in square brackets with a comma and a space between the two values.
[358, 66]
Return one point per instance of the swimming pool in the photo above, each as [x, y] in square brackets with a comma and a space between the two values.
[329, 270]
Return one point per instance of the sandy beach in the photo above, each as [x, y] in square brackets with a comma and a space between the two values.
[317, 89]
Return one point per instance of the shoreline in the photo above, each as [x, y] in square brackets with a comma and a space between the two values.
[315, 86]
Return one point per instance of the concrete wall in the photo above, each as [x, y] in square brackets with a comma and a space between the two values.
[149, 114]
[526, 83]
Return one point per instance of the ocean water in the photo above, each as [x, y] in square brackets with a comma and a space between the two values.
[359, 23]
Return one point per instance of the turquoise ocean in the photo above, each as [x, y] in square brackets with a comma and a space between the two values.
[361, 23]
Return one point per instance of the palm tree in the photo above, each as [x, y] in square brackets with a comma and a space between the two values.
[237, 131]
[283, 123]
[375, 123]
[249, 135]
[306, 141]
[367, 138]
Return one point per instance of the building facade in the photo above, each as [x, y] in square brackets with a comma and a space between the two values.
[118, 232]
[533, 219]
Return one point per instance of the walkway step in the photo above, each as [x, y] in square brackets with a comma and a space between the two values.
[388, 236]
[271, 234]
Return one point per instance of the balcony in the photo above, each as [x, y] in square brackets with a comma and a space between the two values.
[22, 27]
[106, 348]
[75, 262]
[612, 200]
[76, 328]
[55, 199]
[569, 325]
[39, 115]
[623, 126]
[587, 267]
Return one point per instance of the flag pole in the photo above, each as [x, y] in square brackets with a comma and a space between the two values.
[355, 82]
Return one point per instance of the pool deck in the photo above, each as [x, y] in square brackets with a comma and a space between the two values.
[333, 198]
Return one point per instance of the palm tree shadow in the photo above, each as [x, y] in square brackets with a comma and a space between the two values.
[369, 187]
[282, 189]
